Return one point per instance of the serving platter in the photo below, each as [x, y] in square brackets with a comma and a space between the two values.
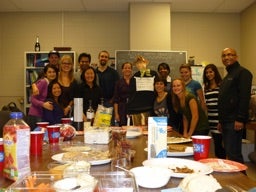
[58, 158]
[174, 163]
[188, 152]
[177, 140]
[133, 134]
[76, 148]
[224, 165]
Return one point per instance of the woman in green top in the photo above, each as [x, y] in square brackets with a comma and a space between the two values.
[195, 121]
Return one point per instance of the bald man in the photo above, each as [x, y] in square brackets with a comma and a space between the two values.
[233, 104]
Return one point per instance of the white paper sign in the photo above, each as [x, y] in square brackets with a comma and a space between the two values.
[144, 83]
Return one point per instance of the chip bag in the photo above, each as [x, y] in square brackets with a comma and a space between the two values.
[103, 116]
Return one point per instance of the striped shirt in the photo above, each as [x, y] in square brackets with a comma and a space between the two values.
[211, 99]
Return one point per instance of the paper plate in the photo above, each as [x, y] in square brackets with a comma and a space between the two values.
[224, 165]
[174, 163]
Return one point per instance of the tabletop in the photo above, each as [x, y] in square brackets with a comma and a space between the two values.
[40, 163]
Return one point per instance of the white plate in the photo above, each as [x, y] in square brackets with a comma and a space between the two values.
[176, 140]
[172, 163]
[188, 152]
[132, 134]
[58, 157]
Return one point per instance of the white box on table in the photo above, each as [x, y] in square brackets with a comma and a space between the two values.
[157, 137]
[97, 135]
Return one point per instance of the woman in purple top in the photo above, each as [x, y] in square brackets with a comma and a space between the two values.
[38, 101]
[121, 94]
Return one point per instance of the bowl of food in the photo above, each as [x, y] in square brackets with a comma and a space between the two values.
[151, 177]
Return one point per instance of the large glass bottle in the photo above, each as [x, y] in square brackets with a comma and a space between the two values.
[16, 136]
[90, 113]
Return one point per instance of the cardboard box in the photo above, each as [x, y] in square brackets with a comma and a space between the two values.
[96, 135]
[157, 137]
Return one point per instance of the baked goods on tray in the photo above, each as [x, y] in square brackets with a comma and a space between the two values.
[176, 148]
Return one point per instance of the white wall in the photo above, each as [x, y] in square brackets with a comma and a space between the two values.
[202, 35]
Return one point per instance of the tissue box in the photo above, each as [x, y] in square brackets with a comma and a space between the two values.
[97, 135]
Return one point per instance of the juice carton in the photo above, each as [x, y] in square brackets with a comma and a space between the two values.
[16, 136]
[157, 137]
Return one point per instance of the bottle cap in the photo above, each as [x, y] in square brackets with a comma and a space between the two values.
[16, 115]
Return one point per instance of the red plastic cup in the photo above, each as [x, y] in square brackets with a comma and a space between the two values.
[201, 145]
[36, 142]
[42, 125]
[66, 120]
[53, 133]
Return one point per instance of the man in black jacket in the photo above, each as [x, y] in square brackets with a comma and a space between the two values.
[233, 104]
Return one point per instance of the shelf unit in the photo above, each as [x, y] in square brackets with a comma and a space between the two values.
[34, 63]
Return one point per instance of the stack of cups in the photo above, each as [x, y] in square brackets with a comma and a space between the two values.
[36, 142]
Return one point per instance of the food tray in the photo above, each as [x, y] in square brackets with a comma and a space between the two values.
[118, 181]
[45, 181]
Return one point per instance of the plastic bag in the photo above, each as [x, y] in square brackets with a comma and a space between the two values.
[103, 116]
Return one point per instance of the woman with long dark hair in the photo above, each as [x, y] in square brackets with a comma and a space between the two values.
[212, 80]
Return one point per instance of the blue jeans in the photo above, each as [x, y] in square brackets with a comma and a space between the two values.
[232, 142]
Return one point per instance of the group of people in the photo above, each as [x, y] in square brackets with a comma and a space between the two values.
[220, 106]
[54, 92]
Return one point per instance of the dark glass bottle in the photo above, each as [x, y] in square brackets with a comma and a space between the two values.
[37, 44]
[90, 113]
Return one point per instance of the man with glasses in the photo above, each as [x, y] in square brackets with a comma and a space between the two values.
[84, 61]
[233, 104]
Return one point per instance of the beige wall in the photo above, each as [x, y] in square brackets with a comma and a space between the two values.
[202, 35]
[248, 39]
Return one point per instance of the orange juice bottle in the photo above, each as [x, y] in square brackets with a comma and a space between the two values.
[16, 136]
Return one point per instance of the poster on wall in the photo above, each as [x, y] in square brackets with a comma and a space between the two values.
[197, 73]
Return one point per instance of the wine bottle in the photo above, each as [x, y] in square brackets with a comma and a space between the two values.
[37, 44]
[90, 113]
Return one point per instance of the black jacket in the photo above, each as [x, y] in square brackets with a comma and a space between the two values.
[234, 95]
[140, 101]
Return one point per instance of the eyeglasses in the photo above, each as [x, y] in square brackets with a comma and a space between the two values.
[228, 55]
[67, 63]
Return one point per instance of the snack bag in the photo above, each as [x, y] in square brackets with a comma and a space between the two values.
[103, 116]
